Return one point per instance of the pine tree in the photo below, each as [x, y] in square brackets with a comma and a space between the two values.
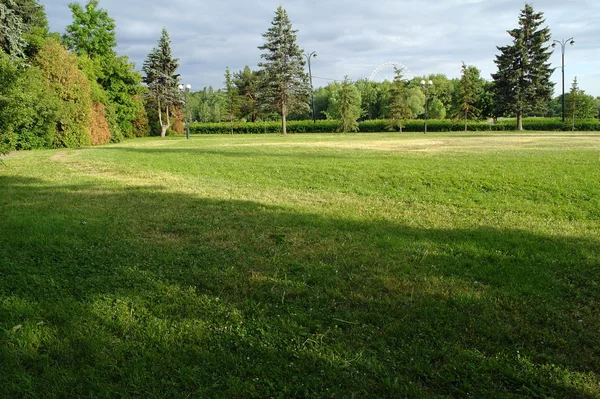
[469, 91]
[399, 109]
[284, 85]
[573, 100]
[349, 107]
[522, 83]
[231, 95]
[161, 78]
[246, 82]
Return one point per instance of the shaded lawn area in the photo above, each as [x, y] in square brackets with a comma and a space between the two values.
[262, 267]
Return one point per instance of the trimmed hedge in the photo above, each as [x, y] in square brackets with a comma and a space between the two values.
[374, 126]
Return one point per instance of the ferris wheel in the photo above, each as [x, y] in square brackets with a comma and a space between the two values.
[386, 71]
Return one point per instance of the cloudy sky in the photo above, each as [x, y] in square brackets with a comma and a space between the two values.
[351, 37]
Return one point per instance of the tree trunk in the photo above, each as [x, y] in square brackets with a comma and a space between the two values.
[164, 128]
[466, 118]
[519, 120]
[283, 119]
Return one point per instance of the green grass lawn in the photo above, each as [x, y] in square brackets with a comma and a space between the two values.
[307, 266]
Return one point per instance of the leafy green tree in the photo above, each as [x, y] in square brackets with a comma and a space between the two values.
[399, 109]
[522, 83]
[92, 32]
[92, 35]
[349, 107]
[246, 82]
[469, 91]
[578, 104]
[415, 99]
[232, 97]
[161, 77]
[285, 84]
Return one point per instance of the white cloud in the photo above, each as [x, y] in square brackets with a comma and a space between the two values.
[351, 37]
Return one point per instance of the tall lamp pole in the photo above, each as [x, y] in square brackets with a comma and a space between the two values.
[426, 86]
[562, 50]
[187, 88]
[312, 94]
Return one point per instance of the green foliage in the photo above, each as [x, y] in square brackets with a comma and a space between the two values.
[522, 83]
[246, 82]
[284, 85]
[399, 108]
[72, 88]
[470, 89]
[348, 107]
[232, 97]
[92, 32]
[28, 109]
[22, 22]
[161, 78]
[382, 125]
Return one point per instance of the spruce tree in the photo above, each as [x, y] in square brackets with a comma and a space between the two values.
[399, 109]
[522, 83]
[469, 90]
[349, 107]
[19, 19]
[161, 78]
[284, 83]
[232, 96]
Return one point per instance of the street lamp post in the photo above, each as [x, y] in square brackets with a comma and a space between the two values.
[312, 95]
[187, 88]
[562, 50]
[426, 86]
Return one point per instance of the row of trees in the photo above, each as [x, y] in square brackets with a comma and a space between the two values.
[521, 87]
[67, 91]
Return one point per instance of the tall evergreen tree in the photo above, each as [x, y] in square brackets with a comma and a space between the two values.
[161, 77]
[349, 107]
[522, 83]
[232, 96]
[469, 90]
[285, 84]
[399, 109]
[246, 82]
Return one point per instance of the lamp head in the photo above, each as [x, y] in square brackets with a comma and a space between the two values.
[430, 83]
[188, 86]
[422, 83]
[554, 45]
[180, 87]
[572, 42]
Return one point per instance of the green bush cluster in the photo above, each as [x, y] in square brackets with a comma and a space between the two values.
[382, 125]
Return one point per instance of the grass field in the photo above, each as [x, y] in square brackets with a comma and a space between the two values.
[307, 266]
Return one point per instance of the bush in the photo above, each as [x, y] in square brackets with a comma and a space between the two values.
[72, 88]
[382, 125]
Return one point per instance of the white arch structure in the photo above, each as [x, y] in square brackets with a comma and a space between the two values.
[385, 71]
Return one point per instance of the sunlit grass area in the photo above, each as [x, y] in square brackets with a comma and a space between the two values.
[307, 266]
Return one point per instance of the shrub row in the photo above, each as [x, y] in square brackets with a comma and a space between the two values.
[442, 125]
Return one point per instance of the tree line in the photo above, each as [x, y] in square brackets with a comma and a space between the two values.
[75, 90]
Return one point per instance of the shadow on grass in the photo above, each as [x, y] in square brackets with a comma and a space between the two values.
[154, 293]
